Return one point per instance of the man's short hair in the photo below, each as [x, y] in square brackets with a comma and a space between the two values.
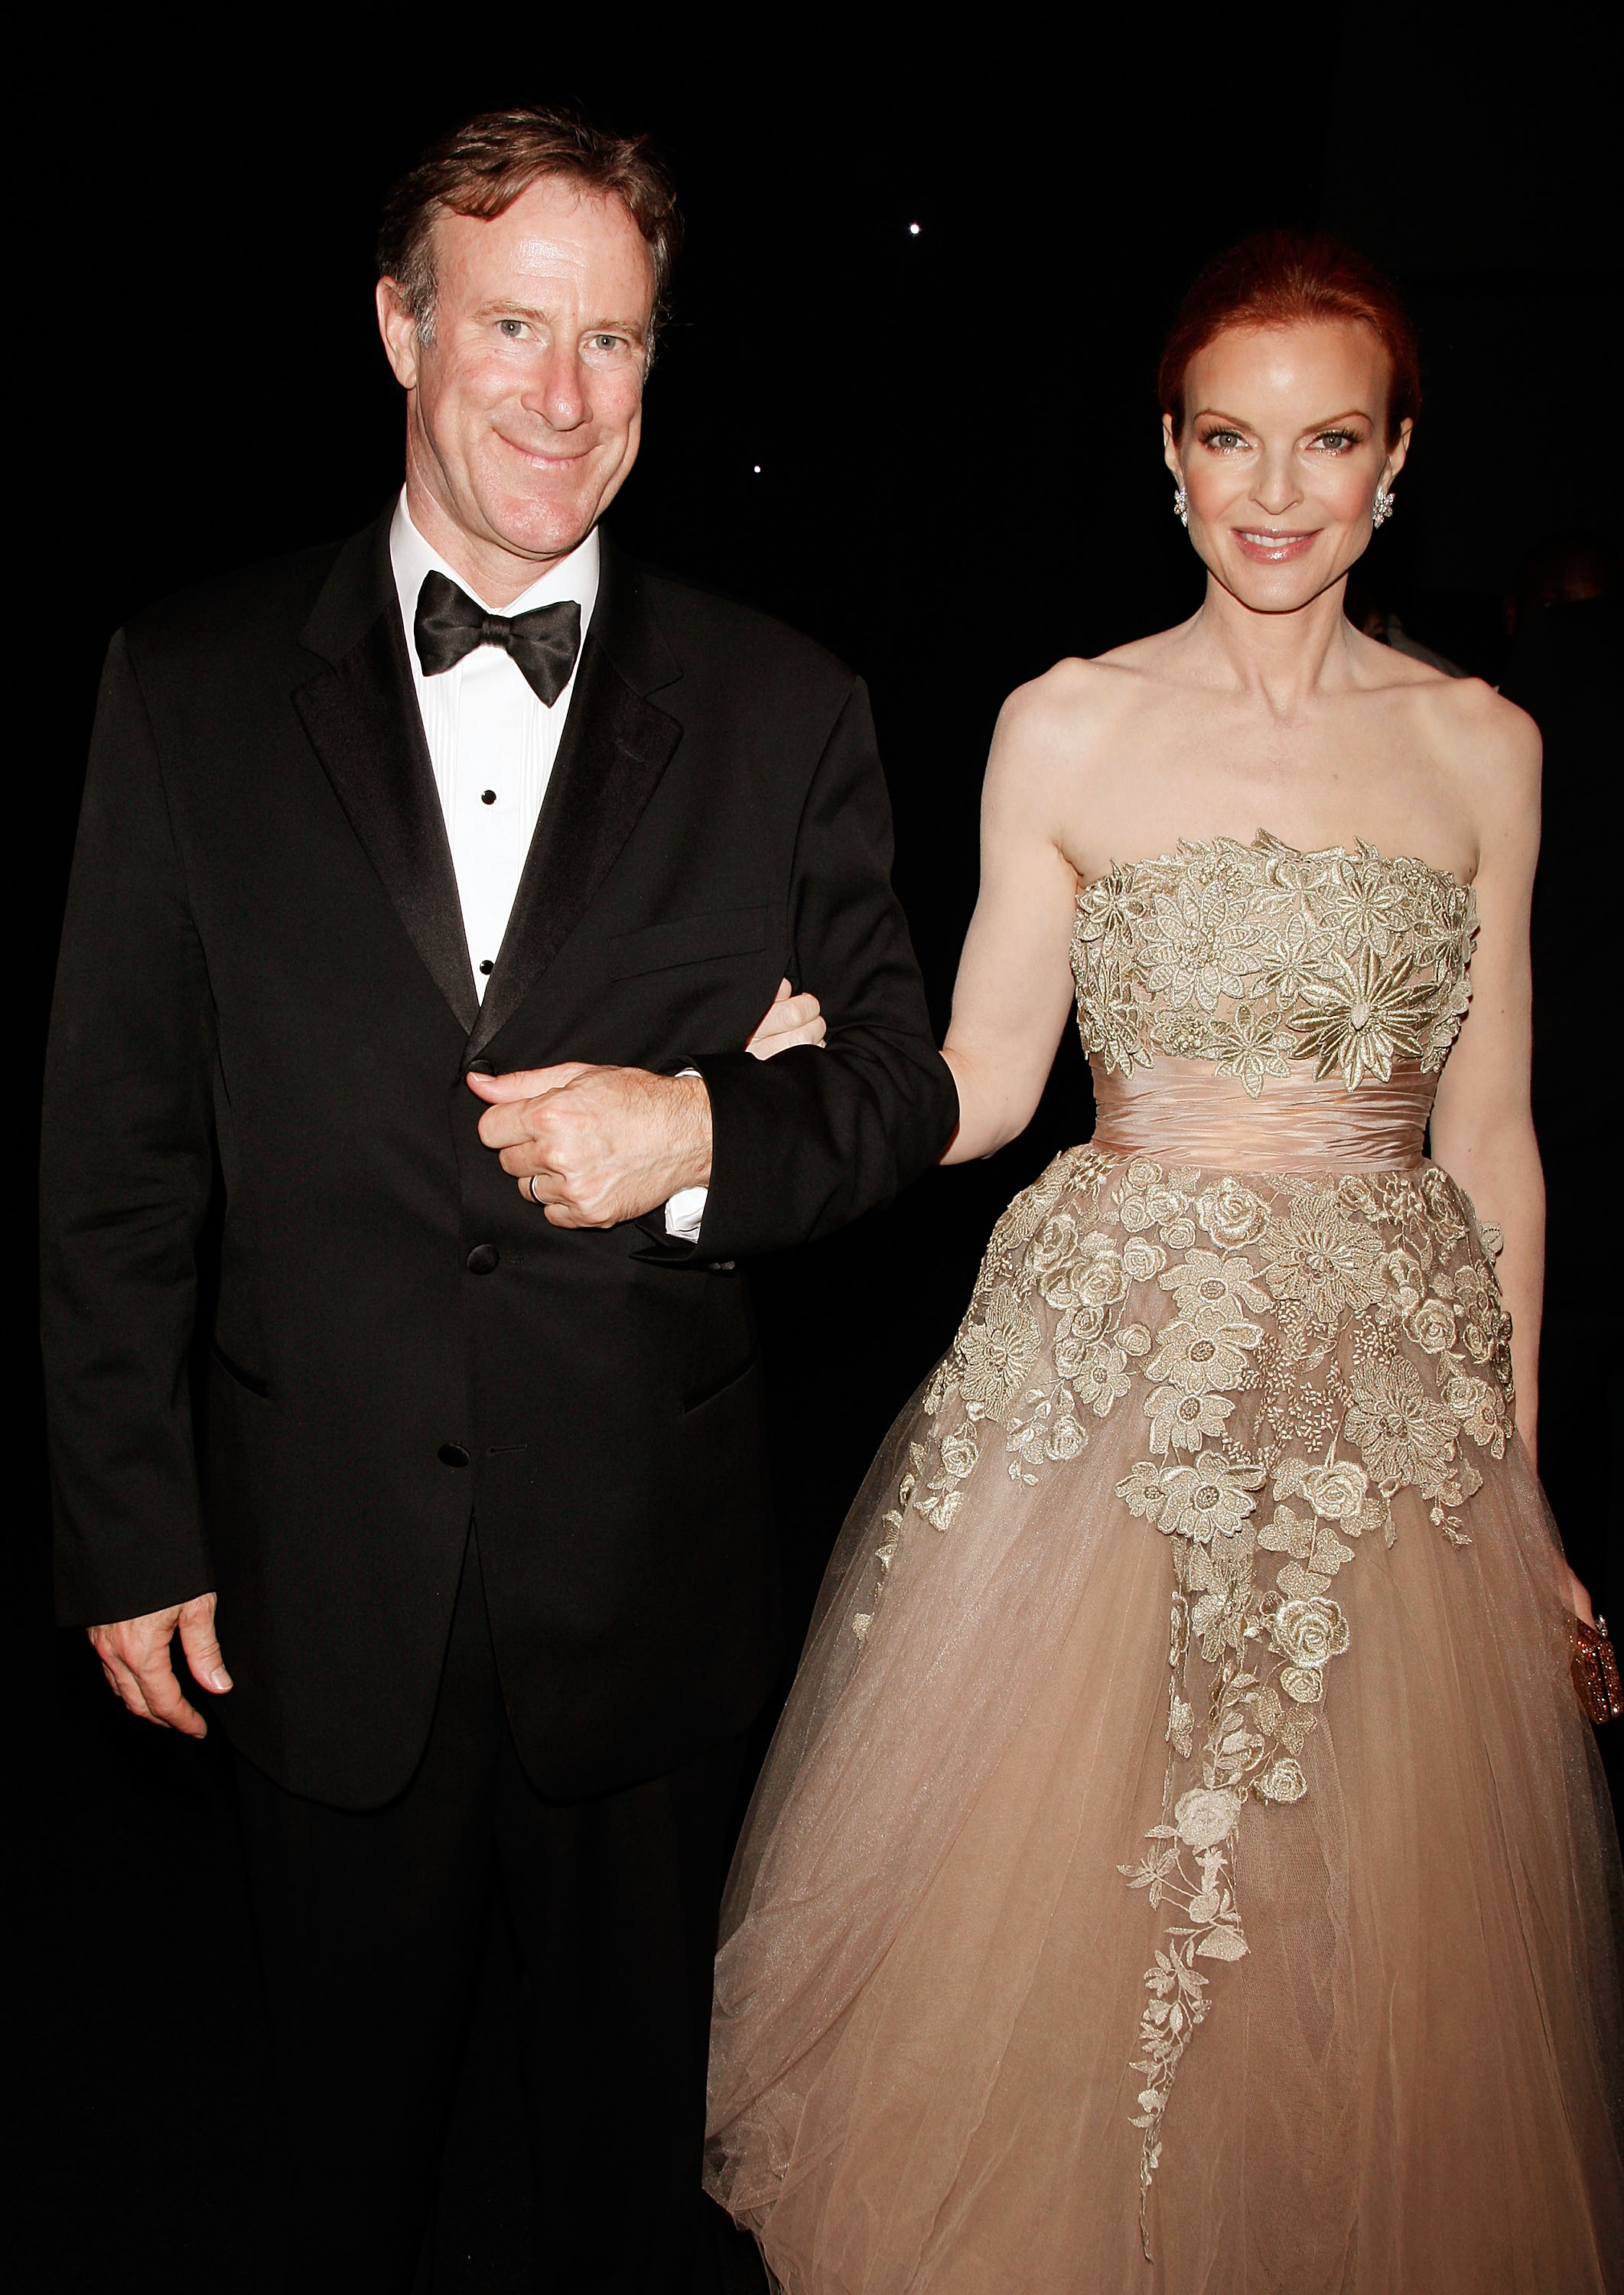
[481, 168]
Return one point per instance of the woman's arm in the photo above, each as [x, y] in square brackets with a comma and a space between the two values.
[1013, 989]
[1482, 1120]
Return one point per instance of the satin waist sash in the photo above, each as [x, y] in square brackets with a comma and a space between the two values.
[1191, 1116]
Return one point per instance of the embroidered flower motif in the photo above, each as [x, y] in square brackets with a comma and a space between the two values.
[1207, 1501]
[1250, 1045]
[960, 1452]
[1317, 1257]
[1231, 1214]
[1102, 1377]
[1337, 1491]
[1432, 1325]
[1198, 1358]
[1212, 1290]
[1065, 1439]
[1311, 1632]
[1202, 1818]
[1480, 1409]
[1184, 1420]
[1305, 1684]
[1097, 1277]
[1376, 905]
[1142, 1261]
[996, 1353]
[1188, 949]
[1358, 1018]
[1054, 1245]
[1404, 1434]
[1478, 1301]
[1293, 960]
[1285, 1781]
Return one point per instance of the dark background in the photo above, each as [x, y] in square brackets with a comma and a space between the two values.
[960, 479]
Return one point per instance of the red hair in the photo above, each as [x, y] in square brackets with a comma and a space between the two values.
[1291, 279]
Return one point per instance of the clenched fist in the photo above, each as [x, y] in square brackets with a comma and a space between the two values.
[595, 1146]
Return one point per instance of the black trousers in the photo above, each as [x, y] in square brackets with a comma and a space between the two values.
[372, 1927]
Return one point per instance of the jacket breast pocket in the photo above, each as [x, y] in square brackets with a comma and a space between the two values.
[688, 940]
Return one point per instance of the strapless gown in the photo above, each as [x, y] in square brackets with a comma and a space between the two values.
[1182, 1864]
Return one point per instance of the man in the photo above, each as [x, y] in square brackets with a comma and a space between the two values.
[426, 893]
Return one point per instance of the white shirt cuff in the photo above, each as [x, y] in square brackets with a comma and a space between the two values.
[685, 1210]
[684, 1213]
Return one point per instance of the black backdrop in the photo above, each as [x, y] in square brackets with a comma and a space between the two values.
[937, 451]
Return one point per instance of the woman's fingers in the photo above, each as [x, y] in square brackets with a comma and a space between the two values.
[1580, 1600]
[789, 1020]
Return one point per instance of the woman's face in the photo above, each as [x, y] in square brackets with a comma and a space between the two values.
[1283, 446]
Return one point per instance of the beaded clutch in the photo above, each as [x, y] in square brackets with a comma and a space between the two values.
[1595, 1672]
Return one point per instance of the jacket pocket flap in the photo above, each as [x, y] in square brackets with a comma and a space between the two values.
[688, 940]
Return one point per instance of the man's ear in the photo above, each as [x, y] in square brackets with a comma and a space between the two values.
[397, 325]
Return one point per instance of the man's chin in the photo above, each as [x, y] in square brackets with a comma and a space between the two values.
[542, 529]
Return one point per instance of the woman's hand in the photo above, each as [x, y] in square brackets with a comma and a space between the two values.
[1578, 1601]
[789, 1019]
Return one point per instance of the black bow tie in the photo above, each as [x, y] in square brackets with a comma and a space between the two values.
[542, 645]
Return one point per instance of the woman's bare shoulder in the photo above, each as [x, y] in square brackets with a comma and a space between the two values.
[1071, 705]
[1052, 729]
[1483, 737]
[1490, 752]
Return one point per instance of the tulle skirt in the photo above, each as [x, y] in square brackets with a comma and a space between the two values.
[1182, 1864]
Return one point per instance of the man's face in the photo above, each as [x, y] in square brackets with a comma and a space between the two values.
[525, 403]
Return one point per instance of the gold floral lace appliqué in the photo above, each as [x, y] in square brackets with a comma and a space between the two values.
[1359, 1320]
[1254, 956]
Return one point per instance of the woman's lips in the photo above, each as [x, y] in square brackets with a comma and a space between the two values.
[1266, 547]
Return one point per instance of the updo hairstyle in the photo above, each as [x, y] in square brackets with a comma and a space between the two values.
[1288, 278]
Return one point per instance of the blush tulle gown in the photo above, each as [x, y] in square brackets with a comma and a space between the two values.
[1182, 1866]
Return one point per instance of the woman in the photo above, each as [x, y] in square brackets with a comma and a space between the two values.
[1182, 1863]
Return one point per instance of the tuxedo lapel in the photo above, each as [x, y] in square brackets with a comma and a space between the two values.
[362, 717]
[616, 746]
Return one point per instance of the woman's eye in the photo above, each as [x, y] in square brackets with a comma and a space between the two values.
[1224, 442]
[1337, 442]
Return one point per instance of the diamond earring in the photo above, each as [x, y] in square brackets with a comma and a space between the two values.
[1182, 505]
[1382, 508]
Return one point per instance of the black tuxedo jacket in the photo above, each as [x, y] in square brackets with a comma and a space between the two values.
[264, 988]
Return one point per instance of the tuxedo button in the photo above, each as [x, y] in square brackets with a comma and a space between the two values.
[453, 1454]
[484, 1259]
[488, 797]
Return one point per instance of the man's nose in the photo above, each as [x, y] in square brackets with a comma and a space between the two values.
[557, 393]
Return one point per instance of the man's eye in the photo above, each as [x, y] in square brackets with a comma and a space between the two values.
[513, 328]
[608, 342]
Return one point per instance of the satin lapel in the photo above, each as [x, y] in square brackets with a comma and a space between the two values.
[616, 746]
[363, 720]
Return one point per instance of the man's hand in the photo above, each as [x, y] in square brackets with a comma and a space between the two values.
[596, 1146]
[135, 1655]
